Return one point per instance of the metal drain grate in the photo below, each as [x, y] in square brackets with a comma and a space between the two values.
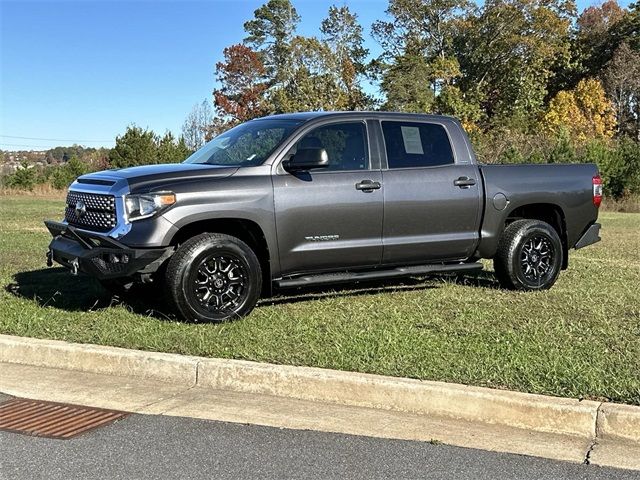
[53, 420]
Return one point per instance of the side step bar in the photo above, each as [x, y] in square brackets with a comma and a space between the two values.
[347, 277]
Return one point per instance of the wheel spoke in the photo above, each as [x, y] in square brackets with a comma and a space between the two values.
[220, 283]
[536, 258]
[205, 297]
[206, 269]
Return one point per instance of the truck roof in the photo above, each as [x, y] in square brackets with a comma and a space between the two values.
[305, 116]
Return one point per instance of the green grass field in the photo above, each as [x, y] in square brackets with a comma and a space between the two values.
[579, 339]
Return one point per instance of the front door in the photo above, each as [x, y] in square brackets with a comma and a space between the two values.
[331, 218]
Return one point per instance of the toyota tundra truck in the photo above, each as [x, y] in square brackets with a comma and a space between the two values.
[323, 198]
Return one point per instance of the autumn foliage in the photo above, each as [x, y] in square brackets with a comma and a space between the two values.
[530, 80]
[584, 112]
[242, 76]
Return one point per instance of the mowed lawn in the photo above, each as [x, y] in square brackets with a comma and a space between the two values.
[579, 339]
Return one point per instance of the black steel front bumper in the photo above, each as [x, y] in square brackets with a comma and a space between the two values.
[99, 255]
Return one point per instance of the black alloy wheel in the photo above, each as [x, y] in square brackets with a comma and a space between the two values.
[213, 277]
[536, 258]
[219, 283]
[529, 256]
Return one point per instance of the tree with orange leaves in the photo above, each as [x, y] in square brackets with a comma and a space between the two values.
[242, 85]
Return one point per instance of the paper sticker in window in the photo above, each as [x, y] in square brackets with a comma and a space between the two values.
[412, 140]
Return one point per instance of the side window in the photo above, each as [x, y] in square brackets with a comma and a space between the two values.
[413, 144]
[345, 143]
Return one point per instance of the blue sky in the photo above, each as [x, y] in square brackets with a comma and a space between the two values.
[81, 71]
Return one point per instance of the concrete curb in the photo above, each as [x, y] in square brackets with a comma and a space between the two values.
[620, 422]
[514, 409]
[165, 367]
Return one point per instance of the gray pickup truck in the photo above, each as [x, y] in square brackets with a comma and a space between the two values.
[323, 198]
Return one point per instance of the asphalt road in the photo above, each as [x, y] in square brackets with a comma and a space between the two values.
[154, 447]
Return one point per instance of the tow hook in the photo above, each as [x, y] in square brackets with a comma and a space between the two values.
[49, 258]
[74, 266]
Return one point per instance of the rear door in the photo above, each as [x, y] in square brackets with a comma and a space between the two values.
[331, 218]
[431, 195]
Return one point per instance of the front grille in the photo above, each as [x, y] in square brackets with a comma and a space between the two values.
[100, 213]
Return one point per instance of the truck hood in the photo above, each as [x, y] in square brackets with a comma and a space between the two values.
[148, 177]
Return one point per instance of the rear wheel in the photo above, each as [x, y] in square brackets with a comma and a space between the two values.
[212, 278]
[529, 256]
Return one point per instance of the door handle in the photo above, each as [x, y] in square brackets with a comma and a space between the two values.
[464, 182]
[368, 185]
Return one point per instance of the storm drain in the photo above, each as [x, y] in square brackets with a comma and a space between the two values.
[53, 420]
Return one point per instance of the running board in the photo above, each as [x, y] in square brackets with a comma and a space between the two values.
[347, 277]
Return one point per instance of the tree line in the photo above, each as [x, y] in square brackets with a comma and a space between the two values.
[137, 146]
[531, 80]
[530, 65]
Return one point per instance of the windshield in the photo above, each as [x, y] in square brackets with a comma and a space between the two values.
[246, 145]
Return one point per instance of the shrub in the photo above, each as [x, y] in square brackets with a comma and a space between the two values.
[24, 178]
[563, 150]
[64, 175]
[511, 155]
[144, 147]
[619, 165]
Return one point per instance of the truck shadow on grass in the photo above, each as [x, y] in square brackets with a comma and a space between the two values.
[55, 287]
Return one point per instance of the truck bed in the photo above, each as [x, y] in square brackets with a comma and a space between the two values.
[566, 190]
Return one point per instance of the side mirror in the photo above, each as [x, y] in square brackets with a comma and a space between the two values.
[307, 159]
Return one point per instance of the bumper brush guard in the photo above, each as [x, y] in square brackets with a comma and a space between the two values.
[99, 255]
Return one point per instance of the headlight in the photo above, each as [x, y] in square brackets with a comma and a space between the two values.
[144, 206]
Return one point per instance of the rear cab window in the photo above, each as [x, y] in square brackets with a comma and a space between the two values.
[416, 144]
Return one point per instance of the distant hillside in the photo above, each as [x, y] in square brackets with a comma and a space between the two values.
[10, 159]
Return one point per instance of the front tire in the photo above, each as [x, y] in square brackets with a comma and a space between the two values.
[213, 278]
[529, 256]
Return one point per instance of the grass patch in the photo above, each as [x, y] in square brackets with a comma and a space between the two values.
[579, 339]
